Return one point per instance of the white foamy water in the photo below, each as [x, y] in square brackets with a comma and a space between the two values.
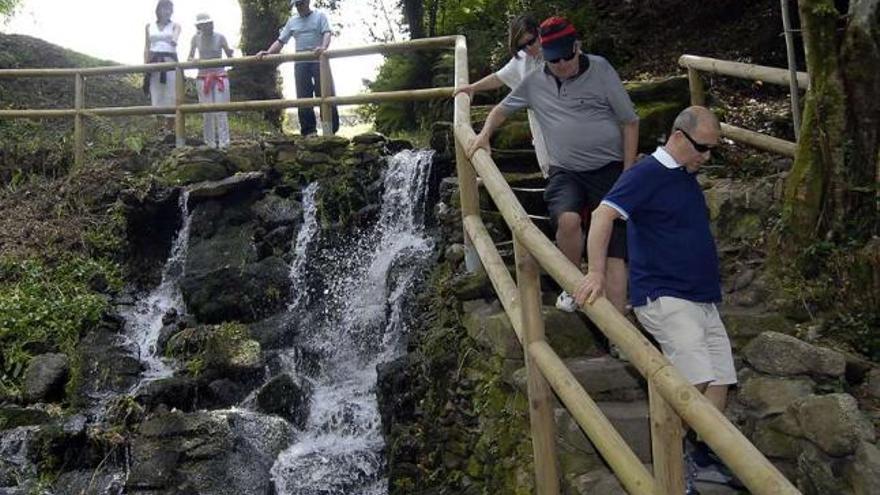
[357, 321]
[143, 320]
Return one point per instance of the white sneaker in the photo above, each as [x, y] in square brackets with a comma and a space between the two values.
[566, 303]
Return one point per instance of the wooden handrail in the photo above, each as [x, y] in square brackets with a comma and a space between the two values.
[742, 70]
[756, 472]
[773, 75]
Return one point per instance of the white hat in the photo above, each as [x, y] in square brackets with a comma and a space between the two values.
[203, 19]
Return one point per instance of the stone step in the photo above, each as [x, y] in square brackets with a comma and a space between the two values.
[630, 419]
[519, 160]
[603, 378]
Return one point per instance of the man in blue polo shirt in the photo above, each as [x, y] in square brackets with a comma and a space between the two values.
[311, 31]
[673, 264]
[591, 131]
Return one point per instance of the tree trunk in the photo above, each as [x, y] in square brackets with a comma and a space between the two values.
[260, 22]
[860, 59]
[813, 191]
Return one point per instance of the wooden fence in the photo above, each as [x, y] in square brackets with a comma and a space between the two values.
[782, 77]
[672, 398]
[181, 108]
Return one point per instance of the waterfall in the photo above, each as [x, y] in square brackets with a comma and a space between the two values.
[304, 240]
[355, 320]
[143, 320]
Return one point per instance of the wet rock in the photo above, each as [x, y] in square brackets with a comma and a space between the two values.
[224, 393]
[287, 397]
[395, 393]
[766, 395]
[275, 332]
[222, 453]
[784, 355]
[177, 392]
[91, 482]
[14, 417]
[834, 423]
[45, 378]
[103, 362]
[274, 211]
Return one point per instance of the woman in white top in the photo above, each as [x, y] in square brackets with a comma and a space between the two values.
[161, 46]
[212, 82]
[526, 56]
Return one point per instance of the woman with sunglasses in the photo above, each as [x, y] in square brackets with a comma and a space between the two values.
[526, 56]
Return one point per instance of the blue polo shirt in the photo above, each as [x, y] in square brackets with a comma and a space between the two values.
[308, 31]
[671, 249]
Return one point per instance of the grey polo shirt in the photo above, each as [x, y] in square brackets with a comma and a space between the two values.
[308, 31]
[581, 118]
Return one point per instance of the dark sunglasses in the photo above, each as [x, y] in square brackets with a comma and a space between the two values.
[562, 59]
[527, 44]
[698, 147]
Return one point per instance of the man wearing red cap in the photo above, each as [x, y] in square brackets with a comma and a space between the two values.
[591, 131]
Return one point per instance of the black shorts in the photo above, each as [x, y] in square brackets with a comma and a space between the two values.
[581, 193]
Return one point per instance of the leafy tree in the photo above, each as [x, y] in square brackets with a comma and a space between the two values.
[7, 7]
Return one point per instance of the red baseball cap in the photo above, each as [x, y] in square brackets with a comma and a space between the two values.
[557, 38]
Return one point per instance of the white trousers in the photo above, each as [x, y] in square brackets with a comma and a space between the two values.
[216, 128]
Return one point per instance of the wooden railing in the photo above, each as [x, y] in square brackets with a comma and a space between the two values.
[782, 77]
[672, 398]
[181, 108]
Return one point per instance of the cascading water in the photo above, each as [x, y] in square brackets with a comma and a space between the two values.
[304, 239]
[353, 320]
[143, 320]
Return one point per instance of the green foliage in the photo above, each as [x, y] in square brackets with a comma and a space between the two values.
[46, 307]
[7, 7]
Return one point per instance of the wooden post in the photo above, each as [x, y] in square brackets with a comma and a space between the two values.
[326, 91]
[543, 426]
[698, 93]
[79, 152]
[179, 117]
[666, 444]
[467, 177]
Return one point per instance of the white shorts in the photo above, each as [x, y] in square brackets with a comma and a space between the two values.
[692, 336]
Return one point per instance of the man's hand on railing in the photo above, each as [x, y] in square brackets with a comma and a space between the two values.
[481, 141]
[319, 51]
[467, 89]
[262, 53]
[592, 287]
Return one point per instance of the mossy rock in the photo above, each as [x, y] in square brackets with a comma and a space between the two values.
[672, 89]
[568, 333]
[369, 138]
[655, 120]
[324, 144]
[246, 157]
[743, 326]
[14, 417]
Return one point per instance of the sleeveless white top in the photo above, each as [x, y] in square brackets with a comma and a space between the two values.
[162, 40]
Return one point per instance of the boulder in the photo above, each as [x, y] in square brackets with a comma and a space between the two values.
[766, 395]
[834, 423]
[772, 441]
[863, 472]
[597, 481]
[568, 333]
[872, 383]
[816, 472]
[45, 378]
[287, 397]
[177, 392]
[274, 211]
[223, 453]
[743, 325]
[779, 354]
[103, 363]
[91, 482]
[276, 332]
[192, 165]
[369, 138]
[214, 189]
[488, 324]
[246, 157]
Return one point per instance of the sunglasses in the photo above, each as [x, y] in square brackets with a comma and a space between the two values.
[698, 147]
[527, 44]
[562, 59]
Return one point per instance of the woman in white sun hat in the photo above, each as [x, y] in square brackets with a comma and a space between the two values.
[212, 83]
